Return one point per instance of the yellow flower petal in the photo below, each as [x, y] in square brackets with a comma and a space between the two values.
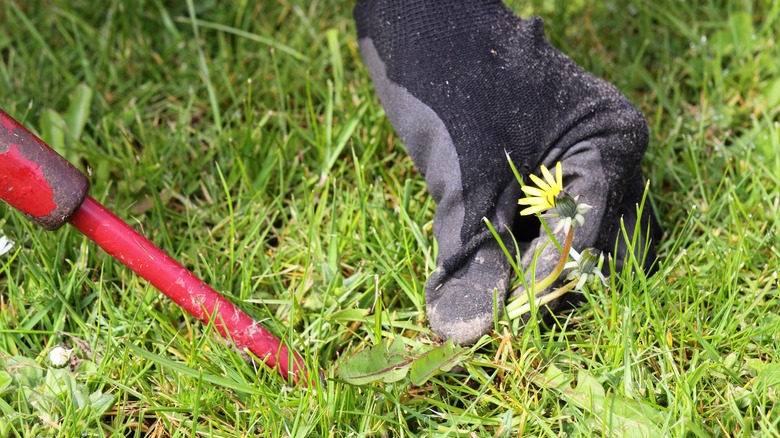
[544, 195]
[533, 210]
[534, 201]
[533, 191]
[548, 177]
[542, 185]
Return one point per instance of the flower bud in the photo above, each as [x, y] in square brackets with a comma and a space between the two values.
[589, 259]
[566, 205]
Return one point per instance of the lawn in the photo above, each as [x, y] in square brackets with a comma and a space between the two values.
[246, 140]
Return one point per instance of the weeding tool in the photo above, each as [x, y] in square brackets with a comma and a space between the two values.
[50, 191]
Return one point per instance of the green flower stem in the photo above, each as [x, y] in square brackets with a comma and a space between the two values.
[549, 279]
[541, 285]
[541, 301]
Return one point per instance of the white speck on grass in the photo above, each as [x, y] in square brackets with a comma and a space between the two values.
[59, 356]
[6, 244]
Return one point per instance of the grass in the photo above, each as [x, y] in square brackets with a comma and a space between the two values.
[246, 140]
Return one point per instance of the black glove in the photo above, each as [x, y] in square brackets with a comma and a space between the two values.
[467, 82]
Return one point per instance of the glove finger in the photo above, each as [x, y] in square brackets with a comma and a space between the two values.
[463, 301]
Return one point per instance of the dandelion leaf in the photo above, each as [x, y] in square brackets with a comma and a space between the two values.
[555, 377]
[772, 94]
[612, 414]
[378, 363]
[5, 382]
[52, 129]
[767, 375]
[78, 109]
[101, 402]
[348, 315]
[442, 358]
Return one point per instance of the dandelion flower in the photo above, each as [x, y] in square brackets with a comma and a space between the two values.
[542, 197]
[586, 267]
[569, 211]
[549, 195]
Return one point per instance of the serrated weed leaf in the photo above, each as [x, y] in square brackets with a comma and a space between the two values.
[613, 414]
[78, 109]
[767, 375]
[442, 358]
[5, 382]
[383, 363]
[378, 363]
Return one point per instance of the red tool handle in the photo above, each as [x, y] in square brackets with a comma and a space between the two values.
[44, 186]
[182, 286]
[36, 180]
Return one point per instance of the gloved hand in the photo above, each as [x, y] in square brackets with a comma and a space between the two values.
[464, 83]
